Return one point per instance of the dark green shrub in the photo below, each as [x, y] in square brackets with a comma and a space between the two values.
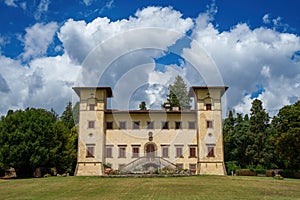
[2, 172]
[232, 166]
[290, 173]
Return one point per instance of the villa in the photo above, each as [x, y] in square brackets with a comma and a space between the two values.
[141, 140]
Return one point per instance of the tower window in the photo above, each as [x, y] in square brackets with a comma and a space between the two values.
[209, 124]
[92, 107]
[91, 124]
[210, 151]
[90, 150]
[208, 106]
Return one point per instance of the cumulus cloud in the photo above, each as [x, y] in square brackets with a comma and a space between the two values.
[247, 58]
[37, 39]
[79, 38]
[122, 54]
[45, 83]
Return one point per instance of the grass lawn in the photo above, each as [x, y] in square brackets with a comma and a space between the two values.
[195, 187]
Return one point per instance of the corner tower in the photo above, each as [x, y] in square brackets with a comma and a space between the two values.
[91, 136]
[209, 129]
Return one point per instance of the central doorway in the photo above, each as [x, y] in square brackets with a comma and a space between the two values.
[150, 151]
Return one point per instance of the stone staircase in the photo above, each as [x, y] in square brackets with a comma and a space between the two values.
[147, 164]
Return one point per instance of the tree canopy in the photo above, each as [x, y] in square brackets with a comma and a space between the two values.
[257, 143]
[178, 94]
[35, 138]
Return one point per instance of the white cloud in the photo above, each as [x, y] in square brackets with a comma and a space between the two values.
[120, 53]
[266, 71]
[108, 5]
[79, 38]
[23, 5]
[41, 9]
[87, 2]
[37, 39]
[266, 18]
[11, 3]
[247, 58]
[44, 83]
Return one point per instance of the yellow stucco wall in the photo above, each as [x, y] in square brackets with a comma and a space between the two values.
[201, 137]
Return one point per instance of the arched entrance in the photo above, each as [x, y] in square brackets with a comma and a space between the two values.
[150, 149]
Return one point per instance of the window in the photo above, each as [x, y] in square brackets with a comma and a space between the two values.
[150, 124]
[179, 165]
[92, 107]
[165, 151]
[192, 168]
[122, 125]
[165, 125]
[109, 125]
[108, 152]
[91, 124]
[192, 152]
[178, 125]
[191, 125]
[209, 124]
[122, 151]
[208, 106]
[210, 151]
[179, 152]
[136, 125]
[90, 150]
[135, 151]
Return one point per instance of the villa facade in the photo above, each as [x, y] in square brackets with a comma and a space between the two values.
[139, 140]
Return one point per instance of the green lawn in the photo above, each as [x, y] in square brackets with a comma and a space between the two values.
[196, 187]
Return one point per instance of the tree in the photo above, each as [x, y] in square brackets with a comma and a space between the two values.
[67, 116]
[235, 132]
[178, 95]
[258, 151]
[34, 138]
[287, 137]
[143, 106]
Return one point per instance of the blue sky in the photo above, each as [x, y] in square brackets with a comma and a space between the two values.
[254, 45]
[17, 15]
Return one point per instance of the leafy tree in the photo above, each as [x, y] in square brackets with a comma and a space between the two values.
[178, 95]
[143, 106]
[67, 116]
[236, 139]
[258, 151]
[34, 138]
[287, 136]
[228, 131]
